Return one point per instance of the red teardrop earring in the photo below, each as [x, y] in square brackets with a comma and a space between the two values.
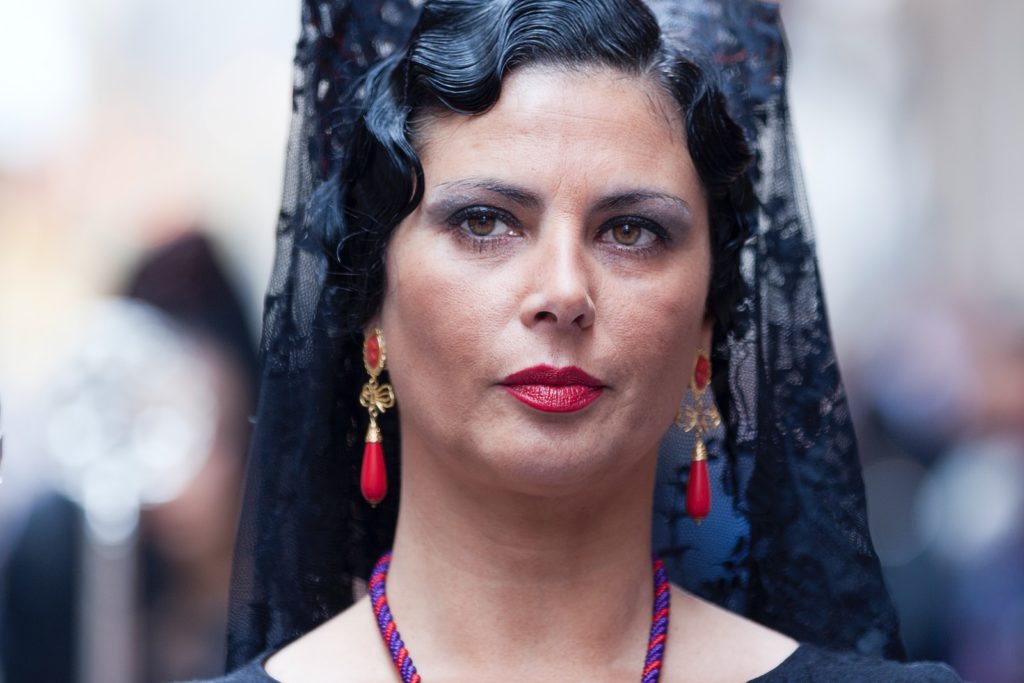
[700, 418]
[376, 398]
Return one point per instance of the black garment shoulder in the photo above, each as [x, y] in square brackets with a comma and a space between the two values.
[253, 672]
[811, 664]
[807, 664]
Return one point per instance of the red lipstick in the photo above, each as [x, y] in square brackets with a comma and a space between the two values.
[554, 390]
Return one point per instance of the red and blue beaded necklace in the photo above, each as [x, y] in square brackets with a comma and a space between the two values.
[403, 662]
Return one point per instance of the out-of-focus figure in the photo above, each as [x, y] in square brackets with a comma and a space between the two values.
[121, 572]
[943, 439]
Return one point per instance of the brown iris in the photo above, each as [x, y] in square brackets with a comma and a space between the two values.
[626, 233]
[481, 225]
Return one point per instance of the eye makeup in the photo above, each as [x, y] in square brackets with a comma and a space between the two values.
[672, 215]
[634, 233]
[482, 227]
[464, 207]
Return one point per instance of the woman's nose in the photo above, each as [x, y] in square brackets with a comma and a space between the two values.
[559, 291]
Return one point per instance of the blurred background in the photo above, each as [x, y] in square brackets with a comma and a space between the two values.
[141, 152]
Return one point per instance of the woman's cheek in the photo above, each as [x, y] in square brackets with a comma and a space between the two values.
[435, 316]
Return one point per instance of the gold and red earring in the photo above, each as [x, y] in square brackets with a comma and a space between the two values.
[376, 398]
[701, 418]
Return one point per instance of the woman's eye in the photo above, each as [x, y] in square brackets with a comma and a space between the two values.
[632, 233]
[482, 223]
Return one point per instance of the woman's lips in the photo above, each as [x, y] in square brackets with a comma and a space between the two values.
[554, 390]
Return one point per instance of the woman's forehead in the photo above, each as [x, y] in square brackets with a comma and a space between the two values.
[595, 126]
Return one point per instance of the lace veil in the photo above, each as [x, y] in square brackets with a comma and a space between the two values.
[787, 541]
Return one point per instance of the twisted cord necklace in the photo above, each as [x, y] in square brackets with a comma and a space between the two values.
[407, 670]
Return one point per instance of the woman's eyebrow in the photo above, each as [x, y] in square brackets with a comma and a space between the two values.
[523, 197]
[624, 200]
[513, 193]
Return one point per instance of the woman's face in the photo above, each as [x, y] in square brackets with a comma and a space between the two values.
[564, 228]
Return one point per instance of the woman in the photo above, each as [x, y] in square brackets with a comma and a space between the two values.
[535, 219]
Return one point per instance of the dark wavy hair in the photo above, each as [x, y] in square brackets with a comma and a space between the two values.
[457, 58]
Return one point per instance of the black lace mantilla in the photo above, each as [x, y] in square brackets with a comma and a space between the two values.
[787, 541]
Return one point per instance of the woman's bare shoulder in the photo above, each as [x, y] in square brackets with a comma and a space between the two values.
[348, 642]
[704, 636]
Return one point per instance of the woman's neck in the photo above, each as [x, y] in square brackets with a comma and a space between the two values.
[494, 582]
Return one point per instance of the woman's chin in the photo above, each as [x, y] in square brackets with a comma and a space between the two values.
[547, 464]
